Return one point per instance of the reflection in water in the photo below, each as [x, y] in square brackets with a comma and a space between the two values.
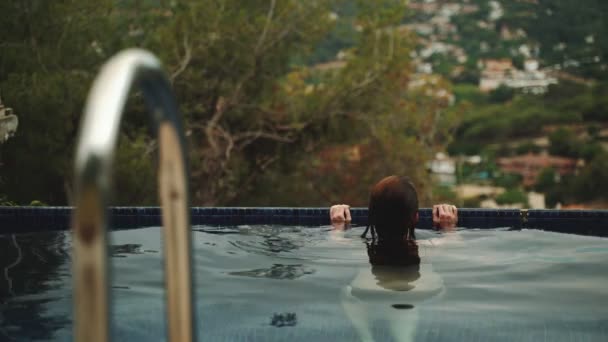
[499, 286]
[9, 280]
[277, 244]
[396, 278]
[403, 306]
[277, 271]
[120, 287]
[274, 241]
[129, 248]
[379, 289]
[287, 319]
[217, 230]
[32, 265]
[119, 251]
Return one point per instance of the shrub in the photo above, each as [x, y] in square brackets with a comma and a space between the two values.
[502, 94]
[508, 180]
[512, 196]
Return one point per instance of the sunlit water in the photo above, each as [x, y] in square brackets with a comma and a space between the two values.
[271, 283]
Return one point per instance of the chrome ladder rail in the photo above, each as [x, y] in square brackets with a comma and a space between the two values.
[94, 156]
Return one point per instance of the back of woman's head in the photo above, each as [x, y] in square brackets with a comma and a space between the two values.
[392, 216]
[393, 206]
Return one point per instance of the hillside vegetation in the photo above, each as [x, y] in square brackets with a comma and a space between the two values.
[304, 102]
[264, 127]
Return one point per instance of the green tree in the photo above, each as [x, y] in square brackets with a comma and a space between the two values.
[592, 182]
[512, 196]
[229, 63]
[563, 142]
[257, 115]
[598, 110]
[51, 51]
[501, 94]
[254, 116]
[508, 180]
[546, 180]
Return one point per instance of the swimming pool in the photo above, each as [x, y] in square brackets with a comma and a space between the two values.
[302, 283]
[277, 282]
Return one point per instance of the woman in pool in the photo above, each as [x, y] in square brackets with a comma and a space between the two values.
[397, 281]
[392, 218]
[393, 211]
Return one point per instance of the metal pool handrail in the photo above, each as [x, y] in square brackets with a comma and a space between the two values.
[94, 157]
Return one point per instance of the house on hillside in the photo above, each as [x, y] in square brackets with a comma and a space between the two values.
[445, 8]
[494, 73]
[501, 72]
[443, 169]
[429, 7]
[530, 165]
[423, 29]
[530, 82]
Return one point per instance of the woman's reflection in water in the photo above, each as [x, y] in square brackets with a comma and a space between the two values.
[396, 278]
[397, 283]
[389, 295]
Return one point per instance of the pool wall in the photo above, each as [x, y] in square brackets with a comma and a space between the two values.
[28, 219]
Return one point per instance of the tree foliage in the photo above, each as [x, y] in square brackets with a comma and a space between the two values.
[513, 196]
[527, 115]
[261, 124]
[46, 66]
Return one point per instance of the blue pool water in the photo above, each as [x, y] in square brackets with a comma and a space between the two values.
[271, 283]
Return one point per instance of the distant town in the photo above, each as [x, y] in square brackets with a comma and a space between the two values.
[445, 48]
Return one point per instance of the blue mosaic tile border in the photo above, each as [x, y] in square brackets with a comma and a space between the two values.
[583, 222]
[28, 219]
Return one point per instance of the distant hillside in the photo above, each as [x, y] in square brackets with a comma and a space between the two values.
[524, 118]
[570, 33]
[455, 36]
[562, 34]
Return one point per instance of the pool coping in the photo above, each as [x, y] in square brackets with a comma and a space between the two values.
[34, 219]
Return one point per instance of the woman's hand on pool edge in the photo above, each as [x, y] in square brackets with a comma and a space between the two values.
[445, 216]
[340, 214]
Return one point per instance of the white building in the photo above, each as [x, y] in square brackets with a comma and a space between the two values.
[497, 73]
[443, 169]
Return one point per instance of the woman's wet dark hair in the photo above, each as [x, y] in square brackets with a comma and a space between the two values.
[393, 205]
